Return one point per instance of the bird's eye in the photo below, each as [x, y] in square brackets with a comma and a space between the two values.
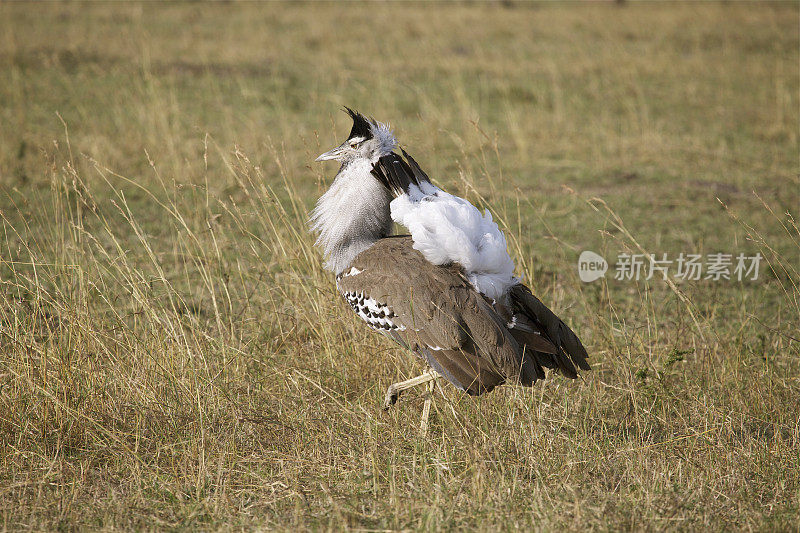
[354, 143]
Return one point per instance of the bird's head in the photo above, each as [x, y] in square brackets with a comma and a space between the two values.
[368, 140]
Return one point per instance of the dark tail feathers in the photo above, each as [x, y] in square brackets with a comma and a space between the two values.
[565, 340]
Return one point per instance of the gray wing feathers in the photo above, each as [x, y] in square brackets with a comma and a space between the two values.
[494, 340]
[568, 344]
[434, 311]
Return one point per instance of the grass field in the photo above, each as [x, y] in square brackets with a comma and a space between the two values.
[173, 356]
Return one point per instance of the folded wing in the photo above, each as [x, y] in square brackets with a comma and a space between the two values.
[434, 311]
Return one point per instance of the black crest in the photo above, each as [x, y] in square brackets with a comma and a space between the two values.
[398, 175]
[361, 126]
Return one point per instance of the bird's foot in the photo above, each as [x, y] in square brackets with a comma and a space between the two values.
[426, 408]
[394, 390]
[392, 395]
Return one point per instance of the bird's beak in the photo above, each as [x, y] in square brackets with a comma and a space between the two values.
[331, 154]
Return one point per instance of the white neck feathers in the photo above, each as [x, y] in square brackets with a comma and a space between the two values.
[351, 215]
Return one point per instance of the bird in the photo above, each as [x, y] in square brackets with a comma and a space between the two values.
[446, 291]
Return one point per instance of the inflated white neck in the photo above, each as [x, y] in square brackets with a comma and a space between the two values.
[351, 215]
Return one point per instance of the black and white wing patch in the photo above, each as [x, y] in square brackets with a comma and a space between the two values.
[376, 314]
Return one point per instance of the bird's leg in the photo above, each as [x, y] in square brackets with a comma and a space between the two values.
[426, 408]
[393, 393]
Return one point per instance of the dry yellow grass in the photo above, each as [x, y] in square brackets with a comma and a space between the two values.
[173, 356]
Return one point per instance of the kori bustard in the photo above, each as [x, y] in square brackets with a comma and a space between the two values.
[447, 291]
